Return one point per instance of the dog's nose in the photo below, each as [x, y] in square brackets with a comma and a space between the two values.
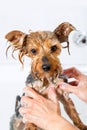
[46, 67]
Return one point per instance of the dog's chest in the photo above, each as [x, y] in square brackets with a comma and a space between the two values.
[41, 86]
[35, 83]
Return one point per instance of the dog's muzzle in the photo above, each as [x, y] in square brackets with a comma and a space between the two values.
[46, 67]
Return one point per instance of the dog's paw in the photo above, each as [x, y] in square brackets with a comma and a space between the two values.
[30, 127]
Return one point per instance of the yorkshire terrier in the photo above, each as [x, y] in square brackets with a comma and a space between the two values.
[44, 48]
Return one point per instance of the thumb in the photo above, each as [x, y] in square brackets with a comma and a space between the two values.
[52, 94]
[68, 88]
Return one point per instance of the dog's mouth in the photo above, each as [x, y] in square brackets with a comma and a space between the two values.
[47, 73]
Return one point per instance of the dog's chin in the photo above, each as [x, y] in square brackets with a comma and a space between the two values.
[49, 75]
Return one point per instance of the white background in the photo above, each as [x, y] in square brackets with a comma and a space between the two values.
[36, 15]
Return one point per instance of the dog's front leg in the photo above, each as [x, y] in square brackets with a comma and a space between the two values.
[71, 111]
[30, 126]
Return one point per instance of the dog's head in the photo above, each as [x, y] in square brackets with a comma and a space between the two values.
[43, 47]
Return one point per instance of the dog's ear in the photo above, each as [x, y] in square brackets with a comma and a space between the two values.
[63, 31]
[17, 40]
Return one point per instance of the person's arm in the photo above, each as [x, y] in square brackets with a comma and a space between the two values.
[78, 86]
[45, 113]
[59, 123]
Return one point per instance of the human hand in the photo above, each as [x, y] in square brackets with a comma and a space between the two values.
[78, 86]
[39, 110]
[45, 113]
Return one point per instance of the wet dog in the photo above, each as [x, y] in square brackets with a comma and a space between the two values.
[44, 48]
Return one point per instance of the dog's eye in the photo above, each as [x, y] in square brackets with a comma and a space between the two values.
[33, 51]
[53, 48]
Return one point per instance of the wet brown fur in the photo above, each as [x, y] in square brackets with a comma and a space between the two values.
[44, 48]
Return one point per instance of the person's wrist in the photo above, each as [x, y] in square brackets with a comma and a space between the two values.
[54, 122]
[59, 123]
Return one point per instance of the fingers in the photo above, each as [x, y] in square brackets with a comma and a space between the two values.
[72, 72]
[31, 93]
[27, 114]
[68, 88]
[23, 110]
[26, 101]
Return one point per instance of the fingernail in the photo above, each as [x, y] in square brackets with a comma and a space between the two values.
[23, 104]
[24, 120]
[63, 85]
[20, 110]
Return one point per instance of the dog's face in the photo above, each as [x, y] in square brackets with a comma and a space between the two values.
[42, 47]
